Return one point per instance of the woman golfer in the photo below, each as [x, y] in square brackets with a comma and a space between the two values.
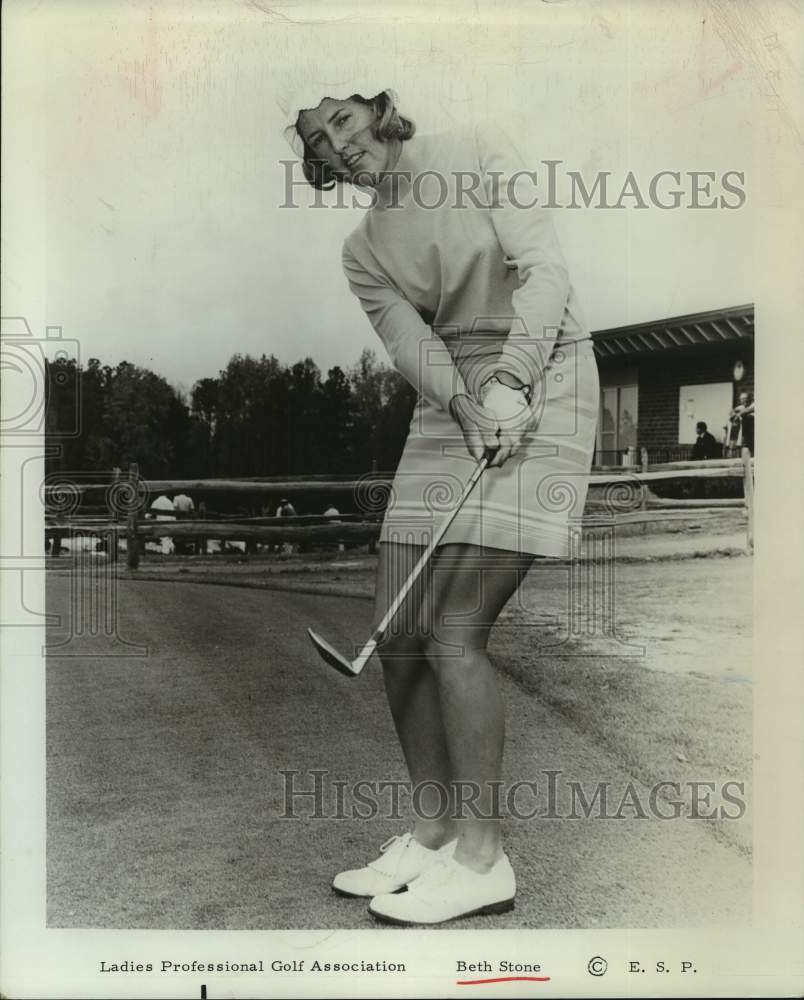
[465, 284]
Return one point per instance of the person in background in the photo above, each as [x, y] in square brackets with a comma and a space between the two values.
[184, 508]
[183, 505]
[163, 510]
[705, 446]
[333, 512]
[741, 425]
[745, 408]
[286, 509]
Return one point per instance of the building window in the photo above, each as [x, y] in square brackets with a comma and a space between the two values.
[617, 427]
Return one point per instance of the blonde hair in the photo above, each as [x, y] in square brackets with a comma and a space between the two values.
[389, 124]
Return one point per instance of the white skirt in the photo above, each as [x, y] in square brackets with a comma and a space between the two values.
[534, 502]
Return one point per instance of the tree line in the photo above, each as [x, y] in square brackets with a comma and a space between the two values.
[258, 417]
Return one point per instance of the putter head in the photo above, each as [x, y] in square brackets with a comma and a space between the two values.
[331, 655]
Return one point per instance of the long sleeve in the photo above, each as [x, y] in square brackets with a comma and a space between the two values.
[528, 239]
[417, 353]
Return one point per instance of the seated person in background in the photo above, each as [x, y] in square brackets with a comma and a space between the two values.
[705, 445]
[162, 509]
[183, 504]
[285, 509]
[332, 511]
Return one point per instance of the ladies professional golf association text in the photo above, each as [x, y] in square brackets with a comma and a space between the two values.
[169, 966]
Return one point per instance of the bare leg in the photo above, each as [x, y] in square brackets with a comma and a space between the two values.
[413, 694]
[471, 585]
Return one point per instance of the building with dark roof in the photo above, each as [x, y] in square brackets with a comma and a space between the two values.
[659, 379]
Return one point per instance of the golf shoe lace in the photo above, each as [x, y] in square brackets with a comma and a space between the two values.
[390, 854]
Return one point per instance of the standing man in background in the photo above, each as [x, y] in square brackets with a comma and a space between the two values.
[746, 411]
[184, 507]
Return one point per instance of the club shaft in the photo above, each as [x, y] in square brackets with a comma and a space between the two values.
[417, 569]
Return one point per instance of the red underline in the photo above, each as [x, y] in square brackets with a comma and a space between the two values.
[503, 979]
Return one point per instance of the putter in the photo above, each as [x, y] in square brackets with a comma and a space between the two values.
[353, 668]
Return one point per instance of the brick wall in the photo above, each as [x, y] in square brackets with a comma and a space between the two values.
[660, 379]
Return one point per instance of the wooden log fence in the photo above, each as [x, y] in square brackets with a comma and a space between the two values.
[365, 527]
[279, 487]
[355, 532]
[315, 484]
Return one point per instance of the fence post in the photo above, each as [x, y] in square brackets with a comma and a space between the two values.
[251, 545]
[112, 537]
[132, 542]
[748, 493]
[643, 457]
[201, 543]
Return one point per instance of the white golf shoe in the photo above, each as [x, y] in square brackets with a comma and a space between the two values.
[448, 890]
[401, 860]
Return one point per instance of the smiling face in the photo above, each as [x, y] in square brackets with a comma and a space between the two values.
[342, 134]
